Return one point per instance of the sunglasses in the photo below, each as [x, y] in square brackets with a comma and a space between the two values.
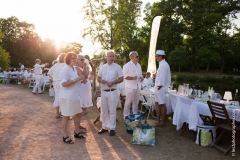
[137, 56]
[81, 59]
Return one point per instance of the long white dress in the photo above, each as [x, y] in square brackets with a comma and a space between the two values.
[86, 94]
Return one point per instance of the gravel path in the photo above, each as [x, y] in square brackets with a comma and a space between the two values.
[29, 130]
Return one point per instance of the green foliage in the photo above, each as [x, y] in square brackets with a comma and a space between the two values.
[200, 27]
[195, 78]
[114, 25]
[209, 79]
[24, 45]
[228, 78]
[73, 46]
[4, 58]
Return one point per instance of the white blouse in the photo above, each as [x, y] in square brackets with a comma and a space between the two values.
[55, 71]
[69, 92]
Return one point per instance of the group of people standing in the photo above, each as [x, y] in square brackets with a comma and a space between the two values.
[111, 74]
[73, 89]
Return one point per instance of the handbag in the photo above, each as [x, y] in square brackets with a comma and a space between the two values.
[131, 118]
[206, 135]
[144, 134]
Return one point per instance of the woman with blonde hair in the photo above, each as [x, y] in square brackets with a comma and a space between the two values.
[85, 86]
[38, 76]
[69, 99]
[55, 75]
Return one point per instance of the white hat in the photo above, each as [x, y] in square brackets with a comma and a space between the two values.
[160, 52]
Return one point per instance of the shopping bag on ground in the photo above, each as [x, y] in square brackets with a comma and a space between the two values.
[144, 134]
[131, 118]
[206, 135]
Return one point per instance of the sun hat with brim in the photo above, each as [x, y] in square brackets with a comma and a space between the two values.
[160, 52]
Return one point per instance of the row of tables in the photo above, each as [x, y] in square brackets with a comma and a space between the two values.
[188, 110]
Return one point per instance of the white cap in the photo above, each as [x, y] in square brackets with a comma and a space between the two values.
[160, 52]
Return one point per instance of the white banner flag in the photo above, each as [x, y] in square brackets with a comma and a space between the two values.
[152, 49]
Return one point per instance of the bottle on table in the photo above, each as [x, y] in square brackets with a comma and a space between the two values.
[209, 92]
[236, 102]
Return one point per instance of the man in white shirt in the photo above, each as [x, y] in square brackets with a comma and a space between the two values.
[148, 81]
[38, 76]
[162, 82]
[21, 67]
[109, 75]
[132, 72]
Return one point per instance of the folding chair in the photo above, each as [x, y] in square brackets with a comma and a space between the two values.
[46, 82]
[148, 101]
[31, 82]
[220, 114]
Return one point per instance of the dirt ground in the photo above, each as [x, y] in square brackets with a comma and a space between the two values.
[29, 130]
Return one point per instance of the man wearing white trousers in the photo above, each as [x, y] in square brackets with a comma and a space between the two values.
[38, 76]
[109, 75]
[132, 72]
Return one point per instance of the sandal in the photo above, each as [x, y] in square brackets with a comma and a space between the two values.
[69, 141]
[78, 135]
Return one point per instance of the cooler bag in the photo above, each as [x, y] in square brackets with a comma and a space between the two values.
[206, 135]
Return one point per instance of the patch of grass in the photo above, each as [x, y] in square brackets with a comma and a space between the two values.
[209, 79]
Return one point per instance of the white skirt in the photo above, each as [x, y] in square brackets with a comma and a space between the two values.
[56, 86]
[69, 107]
[86, 95]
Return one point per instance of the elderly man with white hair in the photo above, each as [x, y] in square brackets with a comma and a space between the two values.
[109, 75]
[133, 77]
[162, 82]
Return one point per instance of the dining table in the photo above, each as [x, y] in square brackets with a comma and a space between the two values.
[188, 109]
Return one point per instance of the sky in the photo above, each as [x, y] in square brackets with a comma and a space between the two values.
[61, 20]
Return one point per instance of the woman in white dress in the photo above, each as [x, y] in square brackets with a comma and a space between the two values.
[55, 75]
[84, 91]
[69, 97]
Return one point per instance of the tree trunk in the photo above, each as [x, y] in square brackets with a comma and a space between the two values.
[207, 69]
[193, 67]
[198, 67]
[179, 68]
[221, 70]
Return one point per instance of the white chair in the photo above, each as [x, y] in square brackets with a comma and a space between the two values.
[46, 82]
[148, 101]
[31, 82]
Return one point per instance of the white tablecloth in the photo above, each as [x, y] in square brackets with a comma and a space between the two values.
[188, 110]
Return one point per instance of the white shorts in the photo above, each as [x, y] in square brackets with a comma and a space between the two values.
[160, 95]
